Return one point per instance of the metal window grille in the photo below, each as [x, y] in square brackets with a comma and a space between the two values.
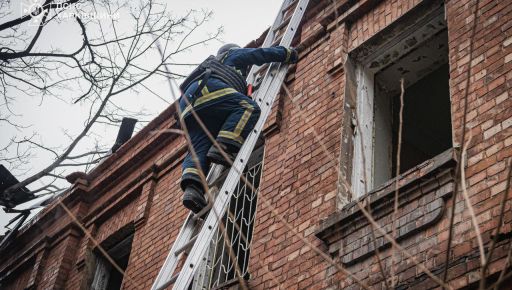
[219, 269]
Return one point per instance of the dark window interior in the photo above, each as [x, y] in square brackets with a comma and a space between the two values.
[118, 247]
[120, 253]
[426, 127]
[116, 279]
[491, 282]
[426, 130]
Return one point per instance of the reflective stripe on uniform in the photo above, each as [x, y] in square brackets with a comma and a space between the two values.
[191, 170]
[235, 135]
[245, 117]
[208, 97]
[231, 136]
[288, 55]
[205, 91]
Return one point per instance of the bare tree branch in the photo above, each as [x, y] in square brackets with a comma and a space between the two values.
[47, 5]
[485, 267]
[463, 140]
[107, 63]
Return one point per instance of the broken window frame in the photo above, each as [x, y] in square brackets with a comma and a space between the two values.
[103, 267]
[358, 71]
[101, 274]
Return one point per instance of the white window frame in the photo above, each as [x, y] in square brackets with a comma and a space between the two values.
[364, 153]
[101, 275]
[363, 137]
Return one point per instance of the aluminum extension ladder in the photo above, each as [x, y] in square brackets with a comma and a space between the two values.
[195, 233]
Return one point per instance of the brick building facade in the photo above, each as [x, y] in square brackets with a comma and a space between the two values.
[330, 143]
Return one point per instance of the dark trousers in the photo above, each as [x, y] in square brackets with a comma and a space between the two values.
[230, 120]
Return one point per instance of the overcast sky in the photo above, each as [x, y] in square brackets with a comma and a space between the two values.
[242, 21]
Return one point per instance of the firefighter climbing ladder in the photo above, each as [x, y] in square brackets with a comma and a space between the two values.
[267, 87]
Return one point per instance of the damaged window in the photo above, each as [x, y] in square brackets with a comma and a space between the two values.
[106, 276]
[419, 55]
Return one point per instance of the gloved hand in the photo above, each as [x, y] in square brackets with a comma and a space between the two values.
[294, 55]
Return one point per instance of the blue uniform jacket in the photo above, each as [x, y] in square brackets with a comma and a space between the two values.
[241, 59]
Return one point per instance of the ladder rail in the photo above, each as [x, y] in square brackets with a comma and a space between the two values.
[268, 90]
[286, 40]
[270, 37]
[170, 263]
[272, 84]
[185, 235]
[212, 221]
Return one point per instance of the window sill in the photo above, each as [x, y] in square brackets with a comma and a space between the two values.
[422, 193]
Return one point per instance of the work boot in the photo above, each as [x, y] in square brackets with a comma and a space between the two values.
[214, 155]
[193, 198]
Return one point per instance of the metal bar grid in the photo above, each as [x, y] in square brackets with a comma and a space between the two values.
[190, 228]
[218, 268]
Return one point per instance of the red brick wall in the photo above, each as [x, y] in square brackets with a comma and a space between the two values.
[293, 185]
[21, 280]
[377, 19]
[489, 112]
[127, 192]
[58, 263]
[153, 241]
[298, 179]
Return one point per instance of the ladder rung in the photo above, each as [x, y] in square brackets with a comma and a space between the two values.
[261, 69]
[219, 179]
[277, 41]
[204, 211]
[256, 86]
[185, 247]
[283, 24]
[289, 6]
[172, 280]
